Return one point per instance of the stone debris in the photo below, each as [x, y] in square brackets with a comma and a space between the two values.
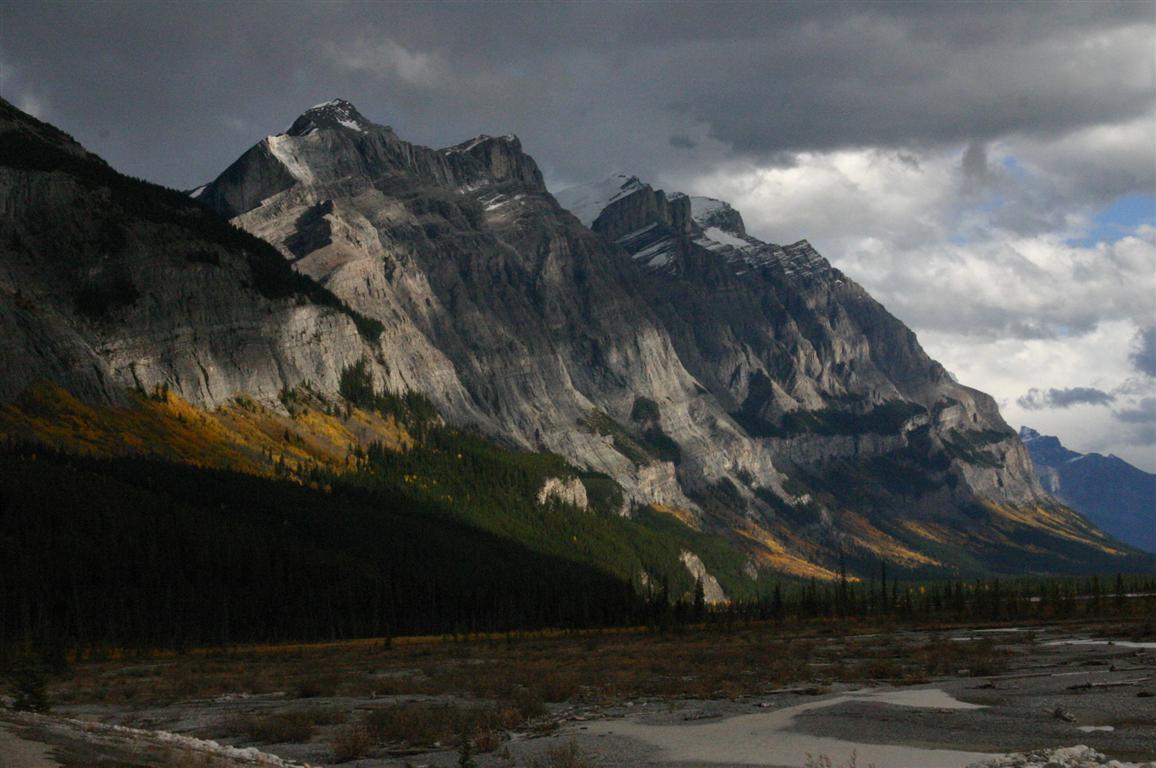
[1078, 756]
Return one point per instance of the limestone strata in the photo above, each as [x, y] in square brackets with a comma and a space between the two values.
[496, 302]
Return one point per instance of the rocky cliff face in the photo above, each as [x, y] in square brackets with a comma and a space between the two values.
[799, 353]
[108, 283]
[496, 302]
[745, 387]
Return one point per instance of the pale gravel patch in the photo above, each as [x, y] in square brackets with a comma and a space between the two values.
[18, 752]
[769, 738]
[1078, 756]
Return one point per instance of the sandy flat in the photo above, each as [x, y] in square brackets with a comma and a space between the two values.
[770, 738]
[18, 752]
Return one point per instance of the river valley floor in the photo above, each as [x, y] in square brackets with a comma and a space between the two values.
[787, 696]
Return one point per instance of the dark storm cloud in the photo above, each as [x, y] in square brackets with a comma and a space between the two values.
[1144, 351]
[174, 92]
[1038, 399]
[974, 164]
[1139, 423]
[1143, 413]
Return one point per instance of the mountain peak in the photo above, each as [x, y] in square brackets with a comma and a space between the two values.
[336, 113]
[710, 212]
[471, 144]
[1046, 450]
[16, 121]
[586, 201]
[1027, 433]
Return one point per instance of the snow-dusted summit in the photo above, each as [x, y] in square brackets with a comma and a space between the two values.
[333, 143]
[337, 113]
[656, 228]
[587, 201]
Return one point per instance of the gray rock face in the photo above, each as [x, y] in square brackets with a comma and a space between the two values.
[797, 351]
[106, 283]
[709, 212]
[1078, 756]
[712, 591]
[497, 304]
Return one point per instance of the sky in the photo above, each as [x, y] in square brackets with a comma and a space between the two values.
[987, 171]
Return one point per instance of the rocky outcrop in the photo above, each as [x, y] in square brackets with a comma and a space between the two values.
[712, 591]
[1078, 756]
[564, 491]
[711, 213]
[644, 208]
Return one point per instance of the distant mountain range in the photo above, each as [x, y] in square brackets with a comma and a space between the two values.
[1113, 494]
[740, 409]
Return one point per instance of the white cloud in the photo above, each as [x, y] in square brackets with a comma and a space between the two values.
[1007, 287]
[391, 60]
[1097, 162]
[1008, 368]
[980, 250]
[853, 195]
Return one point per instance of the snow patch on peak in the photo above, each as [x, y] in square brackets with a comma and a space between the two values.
[336, 113]
[714, 238]
[466, 146]
[709, 212]
[587, 201]
[330, 103]
[703, 207]
[469, 145]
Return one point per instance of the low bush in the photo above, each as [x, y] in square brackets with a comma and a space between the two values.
[565, 756]
[351, 742]
[281, 728]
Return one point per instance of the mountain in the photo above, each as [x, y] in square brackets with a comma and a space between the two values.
[113, 283]
[741, 385]
[1113, 494]
[737, 401]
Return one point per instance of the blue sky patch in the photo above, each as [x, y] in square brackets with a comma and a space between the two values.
[1119, 219]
